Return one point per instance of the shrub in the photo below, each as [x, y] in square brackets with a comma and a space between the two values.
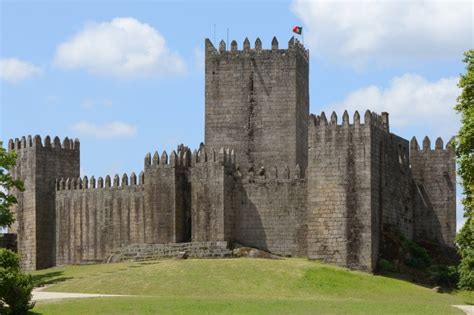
[446, 276]
[466, 271]
[9, 260]
[415, 255]
[386, 266]
[15, 286]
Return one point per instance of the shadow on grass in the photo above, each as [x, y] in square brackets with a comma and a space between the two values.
[147, 262]
[49, 278]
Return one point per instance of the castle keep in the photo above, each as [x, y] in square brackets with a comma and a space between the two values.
[270, 175]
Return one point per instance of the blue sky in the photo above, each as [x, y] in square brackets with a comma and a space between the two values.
[127, 77]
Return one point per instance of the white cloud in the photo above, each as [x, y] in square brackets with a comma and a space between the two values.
[15, 70]
[386, 31]
[123, 47]
[116, 129]
[411, 101]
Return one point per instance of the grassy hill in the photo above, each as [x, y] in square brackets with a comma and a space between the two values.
[237, 286]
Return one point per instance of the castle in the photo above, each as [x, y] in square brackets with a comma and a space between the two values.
[270, 175]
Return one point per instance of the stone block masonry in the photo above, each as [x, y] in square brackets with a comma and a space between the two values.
[39, 165]
[193, 249]
[434, 173]
[340, 213]
[257, 102]
[269, 175]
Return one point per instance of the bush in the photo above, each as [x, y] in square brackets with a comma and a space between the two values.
[466, 271]
[386, 266]
[15, 286]
[9, 260]
[415, 255]
[446, 276]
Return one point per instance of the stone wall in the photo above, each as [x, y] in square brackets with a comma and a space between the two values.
[167, 198]
[212, 185]
[340, 190]
[392, 188]
[218, 249]
[434, 173]
[270, 209]
[38, 166]
[95, 218]
[393, 183]
[257, 103]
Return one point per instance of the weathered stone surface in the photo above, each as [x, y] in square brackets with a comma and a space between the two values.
[253, 253]
[175, 250]
[271, 176]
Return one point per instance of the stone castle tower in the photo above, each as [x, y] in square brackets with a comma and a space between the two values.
[257, 102]
[270, 175]
[38, 166]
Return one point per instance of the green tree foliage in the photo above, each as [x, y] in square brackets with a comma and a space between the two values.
[15, 286]
[465, 154]
[7, 183]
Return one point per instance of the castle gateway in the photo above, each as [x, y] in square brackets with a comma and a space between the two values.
[270, 176]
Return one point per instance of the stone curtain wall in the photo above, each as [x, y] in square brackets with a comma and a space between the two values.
[392, 179]
[95, 218]
[340, 190]
[257, 103]
[434, 173]
[38, 165]
[392, 187]
[271, 212]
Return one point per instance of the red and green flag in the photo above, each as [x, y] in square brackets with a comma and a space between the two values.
[298, 30]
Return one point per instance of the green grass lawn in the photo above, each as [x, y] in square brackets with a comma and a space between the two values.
[237, 286]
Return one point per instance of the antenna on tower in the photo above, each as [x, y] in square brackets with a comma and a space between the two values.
[227, 36]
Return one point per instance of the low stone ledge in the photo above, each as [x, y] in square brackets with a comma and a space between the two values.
[137, 252]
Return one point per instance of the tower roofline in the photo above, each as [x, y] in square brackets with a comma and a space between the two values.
[293, 45]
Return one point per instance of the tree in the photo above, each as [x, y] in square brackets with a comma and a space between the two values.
[7, 161]
[465, 155]
[15, 286]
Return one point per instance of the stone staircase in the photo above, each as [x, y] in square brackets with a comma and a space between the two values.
[138, 252]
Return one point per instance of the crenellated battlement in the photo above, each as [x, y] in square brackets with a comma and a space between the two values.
[184, 157]
[294, 45]
[84, 183]
[180, 157]
[415, 147]
[370, 119]
[225, 156]
[36, 142]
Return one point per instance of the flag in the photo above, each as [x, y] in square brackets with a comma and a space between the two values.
[298, 30]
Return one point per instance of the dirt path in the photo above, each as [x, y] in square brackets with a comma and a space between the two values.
[39, 295]
[468, 309]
